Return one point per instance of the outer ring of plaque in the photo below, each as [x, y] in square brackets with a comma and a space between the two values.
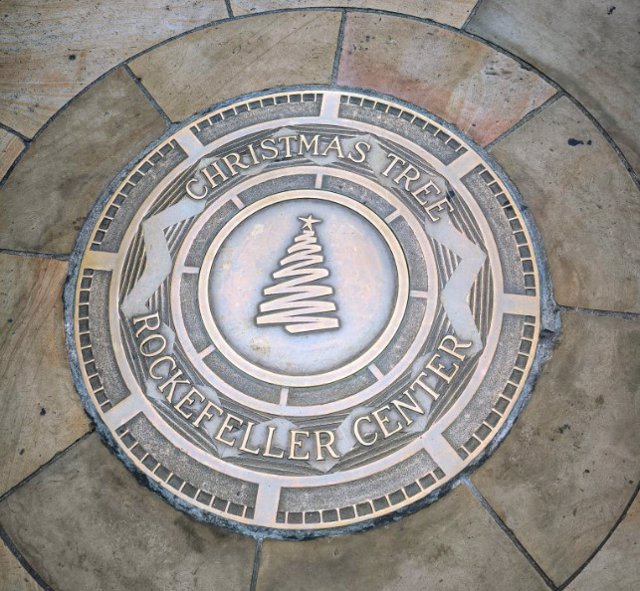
[546, 326]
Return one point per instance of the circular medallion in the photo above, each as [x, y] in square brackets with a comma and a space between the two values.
[305, 310]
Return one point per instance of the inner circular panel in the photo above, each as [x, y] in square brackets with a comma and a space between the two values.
[303, 288]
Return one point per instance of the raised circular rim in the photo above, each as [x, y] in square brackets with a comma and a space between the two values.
[547, 313]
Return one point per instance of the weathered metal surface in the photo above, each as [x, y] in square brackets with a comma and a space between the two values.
[306, 310]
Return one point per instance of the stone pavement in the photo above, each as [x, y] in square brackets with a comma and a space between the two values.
[549, 88]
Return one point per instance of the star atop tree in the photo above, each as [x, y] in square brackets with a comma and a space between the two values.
[308, 222]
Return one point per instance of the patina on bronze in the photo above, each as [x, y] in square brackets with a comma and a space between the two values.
[305, 310]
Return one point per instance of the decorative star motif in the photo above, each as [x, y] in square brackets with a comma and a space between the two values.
[308, 222]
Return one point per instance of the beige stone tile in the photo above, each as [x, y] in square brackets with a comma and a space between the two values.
[41, 412]
[451, 545]
[465, 82]
[10, 147]
[591, 48]
[616, 565]
[86, 523]
[586, 206]
[50, 51]
[221, 62]
[563, 476]
[443, 11]
[48, 194]
[12, 576]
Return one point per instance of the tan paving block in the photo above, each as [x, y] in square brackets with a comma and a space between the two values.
[221, 62]
[563, 476]
[86, 523]
[48, 194]
[50, 51]
[12, 576]
[443, 11]
[616, 565]
[451, 545]
[10, 147]
[465, 82]
[586, 206]
[590, 48]
[41, 412]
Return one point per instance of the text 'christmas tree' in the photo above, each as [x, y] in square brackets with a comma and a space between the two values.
[296, 301]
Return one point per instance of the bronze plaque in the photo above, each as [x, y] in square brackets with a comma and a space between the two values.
[305, 310]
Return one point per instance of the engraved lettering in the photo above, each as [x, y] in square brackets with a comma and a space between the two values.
[205, 413]
[150, 339]
[362, 149]
[172, 382]
[212, 177]
[227, 426]
[320, 445]
[295, 443]
[267, 452]
[244, 446]
[383, 420]
[411, 405]
[146, 320]
[359, 435]
[438, 206]
[188, 400]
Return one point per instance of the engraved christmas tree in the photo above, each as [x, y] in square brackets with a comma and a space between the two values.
[296, 300]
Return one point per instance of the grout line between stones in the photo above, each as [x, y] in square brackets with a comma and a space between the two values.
[229, 9]
[256, 565]
[602, 313]
[340, 40]
[23, 561]
[530, 115]
[44, 466]
[603, 542]
[510, 534]
[15, 132]
[35, 255]
[472, 13]
[148, 95]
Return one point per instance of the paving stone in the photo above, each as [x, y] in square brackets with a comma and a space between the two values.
[86, 523]
[449, 13]
[47, 195]
[465, 82]
[586, 206]
[41, 412]
[590, 48]
[616, 565]
[14, 577]
[50, 51]
[453, 544]
[10, 147]
[563, 476]
[221, 62]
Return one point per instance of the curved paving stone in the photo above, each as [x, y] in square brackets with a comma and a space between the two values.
[465, 82]
[47, 196]
[41, 412]
[50, 51]
[451, 545]
[222, 62]
[13, 577]
[590, 48]
[616, 565]
[85, 523]
[563, 476]
[449, 13]
[10, 148]
[585, 204]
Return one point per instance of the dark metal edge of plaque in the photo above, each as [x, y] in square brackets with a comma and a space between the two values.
[550, 326]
